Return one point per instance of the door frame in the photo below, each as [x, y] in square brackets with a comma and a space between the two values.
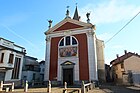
[71, 73]
[67, 65]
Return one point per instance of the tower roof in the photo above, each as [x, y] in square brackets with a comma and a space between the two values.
[76, 16]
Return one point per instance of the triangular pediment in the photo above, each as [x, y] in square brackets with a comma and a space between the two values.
[67, 63]
[68, 24]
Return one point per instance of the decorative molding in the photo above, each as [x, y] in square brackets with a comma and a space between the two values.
[74, 60]
[72, 32]
[92, 55]
[87, 25]
[48, 38]
[90, 33]
[67, 33]
[47, 60]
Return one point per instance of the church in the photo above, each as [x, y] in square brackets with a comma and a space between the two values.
[73, 52]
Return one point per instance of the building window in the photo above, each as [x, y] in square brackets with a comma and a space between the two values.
[62, 42]
[16, 70]
[74, 42]
[42, 69]
[11, 57]
[116, 75]
[68, 46]
[68, 40]
[2, 56]
[33, 76]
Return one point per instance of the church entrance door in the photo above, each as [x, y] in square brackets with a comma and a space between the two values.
[68, 76]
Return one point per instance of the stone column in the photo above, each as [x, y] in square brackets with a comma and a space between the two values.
[26, 86]
[49, 87]
[1, 85]
[83, 90]
[13, 86]
[47, 58]
[65, 88]
[92, 55]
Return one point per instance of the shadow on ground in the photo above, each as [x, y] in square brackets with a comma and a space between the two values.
[111, 88]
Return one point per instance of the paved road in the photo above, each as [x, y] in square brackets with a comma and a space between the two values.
[108, 88]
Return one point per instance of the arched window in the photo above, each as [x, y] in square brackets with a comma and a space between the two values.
[68, 40]
[68, 46]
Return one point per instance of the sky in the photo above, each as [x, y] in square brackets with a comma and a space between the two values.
[25, 21]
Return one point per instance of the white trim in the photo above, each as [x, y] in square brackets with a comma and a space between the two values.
[70, 41]
[76, 45]
[75, 70]
[73, 59]
[74, 32]
[82, 24]
[92, 58]
[47, 60]
[21, 65]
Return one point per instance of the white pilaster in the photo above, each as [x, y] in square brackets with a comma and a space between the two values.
[47, 58]
[59, 71]
[21, 65]
[76, 71]
[92, 57]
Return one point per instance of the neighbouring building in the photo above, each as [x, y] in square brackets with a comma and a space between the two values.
[124, 67]
[42, 70]
[11, 60]
[107, 73]
[31, 69]
[73, 52]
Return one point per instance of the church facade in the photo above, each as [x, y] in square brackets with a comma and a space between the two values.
[73, 52]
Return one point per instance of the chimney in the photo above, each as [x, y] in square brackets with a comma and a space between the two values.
[125, 51]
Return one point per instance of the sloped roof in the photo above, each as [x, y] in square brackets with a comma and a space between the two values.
[123, 57]
[42, 62]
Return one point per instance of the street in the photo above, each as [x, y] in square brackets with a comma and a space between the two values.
[110, 88]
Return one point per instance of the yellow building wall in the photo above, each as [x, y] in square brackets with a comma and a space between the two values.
[130, 64]
[118, 71]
